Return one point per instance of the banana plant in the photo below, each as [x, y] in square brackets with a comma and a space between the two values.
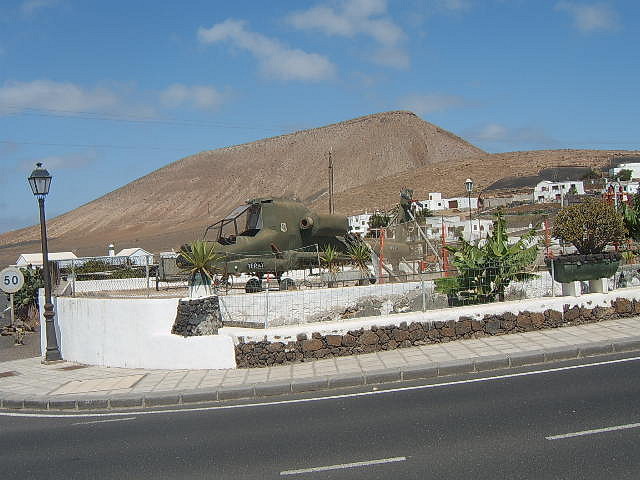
[485, 271]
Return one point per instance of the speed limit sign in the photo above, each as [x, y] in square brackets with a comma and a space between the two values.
[11, 280]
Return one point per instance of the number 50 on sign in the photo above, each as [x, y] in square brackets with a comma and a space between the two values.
[11, 280]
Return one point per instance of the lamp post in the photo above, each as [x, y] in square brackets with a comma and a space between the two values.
[468, 184]
[40, 181]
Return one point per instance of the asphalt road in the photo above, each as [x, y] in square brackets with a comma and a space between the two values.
[480, 430]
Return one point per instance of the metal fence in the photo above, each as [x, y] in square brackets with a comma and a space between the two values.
[317, 295]
[104, 276]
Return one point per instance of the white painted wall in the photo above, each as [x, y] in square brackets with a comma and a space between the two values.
[132, 333]
[359, 223]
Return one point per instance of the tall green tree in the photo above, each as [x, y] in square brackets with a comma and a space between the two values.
[379, 220]
[486, 270]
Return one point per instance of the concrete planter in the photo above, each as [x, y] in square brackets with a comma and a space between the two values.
[571, 268]
[200, 286]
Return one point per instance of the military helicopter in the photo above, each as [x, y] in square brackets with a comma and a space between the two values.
[273, 236]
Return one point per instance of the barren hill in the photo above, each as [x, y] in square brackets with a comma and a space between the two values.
[173, 204]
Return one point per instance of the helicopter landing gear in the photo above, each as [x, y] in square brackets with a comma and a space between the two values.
[253, 285]
[287, 284]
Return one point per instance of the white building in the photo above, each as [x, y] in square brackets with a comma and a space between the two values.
[455, 227]
[634, 167]
[550, 192]
[136, 255]
[436, 202]
[359, 223]
[35, 259]
[620, 191]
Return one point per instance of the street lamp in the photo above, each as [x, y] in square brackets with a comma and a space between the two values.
[40, 181]
[468, 184]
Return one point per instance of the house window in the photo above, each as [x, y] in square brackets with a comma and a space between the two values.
[540, 198]
[545, 189]
[453, 204]
[555, 187]
[558, 196]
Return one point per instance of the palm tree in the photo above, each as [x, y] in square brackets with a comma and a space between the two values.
[199, 260]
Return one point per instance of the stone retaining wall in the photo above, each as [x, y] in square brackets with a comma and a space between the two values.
[390, 337]
[200, 316]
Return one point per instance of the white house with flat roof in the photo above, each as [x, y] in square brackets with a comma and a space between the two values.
[634, 167]
[455, 227]
[551, 192]
[436, 202]
[359, 223]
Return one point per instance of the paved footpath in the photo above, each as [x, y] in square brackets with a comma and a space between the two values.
[28, 384]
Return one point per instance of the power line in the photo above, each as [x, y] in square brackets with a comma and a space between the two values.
[82, 145]
[87, 115]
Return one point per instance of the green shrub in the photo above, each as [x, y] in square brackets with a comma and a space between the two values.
[590, 226]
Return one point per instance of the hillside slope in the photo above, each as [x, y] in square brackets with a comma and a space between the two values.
[484, 170]
[173, 204]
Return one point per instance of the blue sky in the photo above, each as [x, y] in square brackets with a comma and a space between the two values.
[105, 92]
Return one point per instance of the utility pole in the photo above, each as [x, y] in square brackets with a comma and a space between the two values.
[331, 207]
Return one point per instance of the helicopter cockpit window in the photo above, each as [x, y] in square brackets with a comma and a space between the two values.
[253, 222]
[245, 221]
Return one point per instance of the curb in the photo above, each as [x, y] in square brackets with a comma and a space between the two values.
[311, 384]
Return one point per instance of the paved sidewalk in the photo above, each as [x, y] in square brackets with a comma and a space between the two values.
[27, 384]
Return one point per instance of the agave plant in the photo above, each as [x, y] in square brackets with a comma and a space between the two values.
[359, 255]
[199, 260]
[484, 272]
[330, 257]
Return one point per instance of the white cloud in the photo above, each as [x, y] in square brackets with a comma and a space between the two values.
[66, 98]
[198, 96]
[60, 162]
[591, 18]
[496, 133]
[29, 7]
[276, 59]
[358, 17]
[491, 132]
[431, 103]
[46, 94]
